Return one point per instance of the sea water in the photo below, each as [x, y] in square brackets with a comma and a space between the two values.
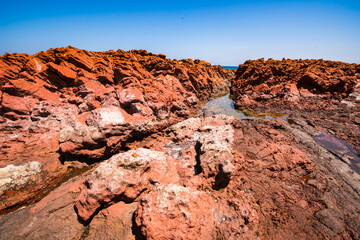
[230, 67]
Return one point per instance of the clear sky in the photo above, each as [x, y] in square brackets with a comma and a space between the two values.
[221, 32]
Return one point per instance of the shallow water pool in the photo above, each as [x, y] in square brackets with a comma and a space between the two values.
[221, 105]
[339, 148]
[225, 105]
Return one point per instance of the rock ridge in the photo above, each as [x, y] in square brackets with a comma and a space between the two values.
[70, 107]
[325, 93]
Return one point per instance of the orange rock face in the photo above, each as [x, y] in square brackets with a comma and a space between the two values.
[71, 104]
[110, 144]
[325, 93]
[275, 77]
[277, 181]
[282, 185]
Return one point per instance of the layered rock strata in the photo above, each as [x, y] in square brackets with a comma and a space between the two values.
[158, 172]
[324, 93]
[66, 106]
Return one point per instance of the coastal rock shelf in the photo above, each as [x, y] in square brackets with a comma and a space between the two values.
[65, 108]
[120, 145]
[326, 94]
[203, 178]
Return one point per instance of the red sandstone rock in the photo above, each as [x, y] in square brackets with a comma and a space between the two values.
[51, 218]
[123, 178]
[279, 77]
[63, 72]
[92, 104]
[216, 156]
[114, 222]
[284, 185]
[273, 175]
[212, 178]
[176, 212]
[324, 92]
[15, 104]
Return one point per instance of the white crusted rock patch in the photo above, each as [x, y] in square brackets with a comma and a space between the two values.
[14, 177]
[123, 177]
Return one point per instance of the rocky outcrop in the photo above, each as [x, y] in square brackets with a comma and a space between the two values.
[274, 77]
[192, 214]
[51, 218]
[282, 185]
[325, 93]
[107, 145]
[65, 107]
[216, 158]
[123, 178]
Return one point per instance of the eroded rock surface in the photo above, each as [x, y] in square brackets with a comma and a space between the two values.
[324, 93]
[214, 177]
[216, 158]
[281, 184]
[123, 177]
[177, 212]
[68, 104]
[12, 177]
[51, 218]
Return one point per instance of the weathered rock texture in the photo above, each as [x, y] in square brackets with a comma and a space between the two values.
[214, 177]
[284, 183]
[71, 104]
[51, 218]
[325, 93]
[123, 178]
[281, 185]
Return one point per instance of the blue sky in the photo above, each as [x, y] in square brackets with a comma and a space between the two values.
[221, 32]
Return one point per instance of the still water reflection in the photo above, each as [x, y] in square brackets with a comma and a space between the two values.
[225, 105]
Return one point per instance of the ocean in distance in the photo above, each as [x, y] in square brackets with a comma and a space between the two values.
[230, 67]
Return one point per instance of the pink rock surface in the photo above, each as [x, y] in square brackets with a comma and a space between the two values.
[283, 185]
[123, 178]
[176, 212]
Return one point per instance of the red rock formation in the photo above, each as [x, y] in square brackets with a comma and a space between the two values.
[71, 104]
[326, 93]
[283, 185]
[123, 178]
[274, 77]
[212, 177]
